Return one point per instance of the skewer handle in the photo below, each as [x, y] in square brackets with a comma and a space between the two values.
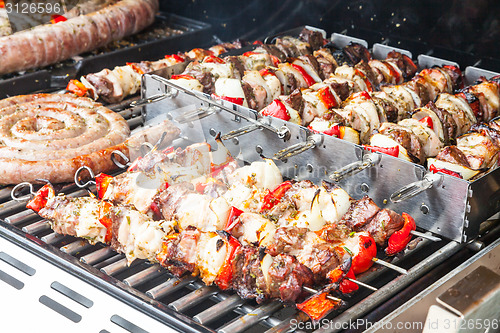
[300, 147]
[368, 161]
[240, 131]
[411, 190]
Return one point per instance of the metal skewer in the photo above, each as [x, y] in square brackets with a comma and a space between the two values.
[391, 266]
[314, 291]
[426, 236]
[367, 286]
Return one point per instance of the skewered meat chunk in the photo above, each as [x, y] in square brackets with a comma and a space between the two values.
[383, 225]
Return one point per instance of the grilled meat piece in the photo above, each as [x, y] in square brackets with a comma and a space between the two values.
[355, 52]
[453, 155]
[383, 225]
[179, 253]
[403, 62]
[319, 256]
[360, 213]
[314, 38]
[405, 138]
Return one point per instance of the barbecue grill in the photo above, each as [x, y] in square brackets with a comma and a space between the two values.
[63, 280]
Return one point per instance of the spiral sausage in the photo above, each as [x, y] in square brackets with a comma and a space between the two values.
[50, 136]
[50, 43]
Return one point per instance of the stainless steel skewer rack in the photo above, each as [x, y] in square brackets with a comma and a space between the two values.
[442, 204]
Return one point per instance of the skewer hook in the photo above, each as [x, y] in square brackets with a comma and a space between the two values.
[18, 188]
[78, 174]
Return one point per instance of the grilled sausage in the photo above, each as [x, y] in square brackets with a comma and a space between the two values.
[51, 136]
[50, 43]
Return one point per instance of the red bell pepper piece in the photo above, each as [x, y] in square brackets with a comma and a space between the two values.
[335, 275]
[77, 88]
[363, 254]
[175, 57]
[427, 121]
[257, 42]
[393, 151]
[200, 187]
[362, 75]
[41, 197]
[275, 60]
[335, 130]
[473, 102]
[55, 18]
[361, 94]
[273, 197]
[394, 73]
[182, 76]
[458, 72]
[235, 100]
[225, 276]
[232, 219]
[133, 166]
[265, 71]
[105, 220]
[309, 80]
[325, 95]
[156, 210]
[102, 181]
[346, 286]
[2, 4]
[276, 109]
[318, 306]
[136, 68]
[433, 169]
[213, 59]
[398, 240]
[249, 53]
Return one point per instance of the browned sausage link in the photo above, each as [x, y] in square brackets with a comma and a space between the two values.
[46, 128]
[33, 134]
[50, 43]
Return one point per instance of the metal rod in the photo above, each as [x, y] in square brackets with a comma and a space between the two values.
[22, 216]
[5, 193]
[97, 256]
[391, 288]
[11, 207]
[391, 266]
[116, 267]
[132, 122]
[144, 276]
[219, 309]
[169, 287]
[250, 319]
[52, 238]
[289, 324]
[367, 286]
[314, 291]
[36, 227]
[425, 235]
[75, 247]
[193, 298]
